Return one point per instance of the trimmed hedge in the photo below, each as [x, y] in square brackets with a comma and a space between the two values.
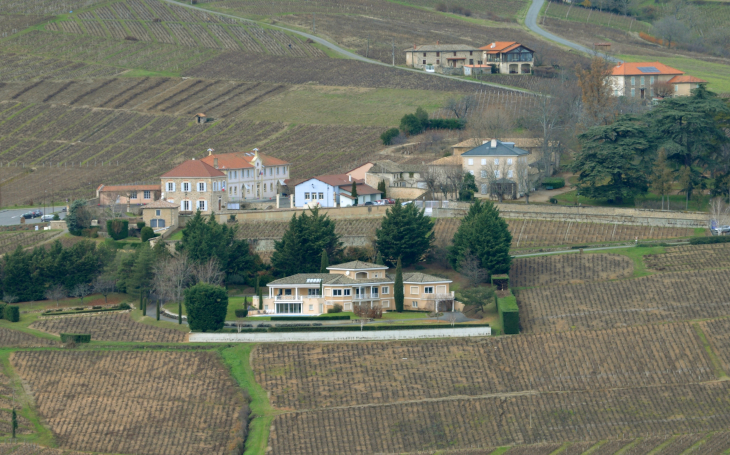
[122, 225]
[59, 313]
[241, 313]
[309, 318]
[509, 314]
[2, 310]
[75, 338]
[709, 240]
[11, 313]
[555, 182]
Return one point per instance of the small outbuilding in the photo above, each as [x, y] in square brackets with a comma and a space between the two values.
[201, 118]
[160, 215]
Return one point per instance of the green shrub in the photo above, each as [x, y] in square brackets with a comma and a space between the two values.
[91, 233]
[206, 306]
[75, 338]
[554, 182]
[117, 229]
[509, 314]
[11, 313]
[124, 306]
[146, 233]
[388, 136]
[337, 308]
[2, 310]
[140, 225]
[709, 240]
[344, 317]
[242, 313]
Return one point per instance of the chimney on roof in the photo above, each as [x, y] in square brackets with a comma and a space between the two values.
[438, 42]
[494, 143]
[215, 163]
[349, 177]
[414, 45]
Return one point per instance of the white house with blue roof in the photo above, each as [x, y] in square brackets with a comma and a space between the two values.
[499, 163]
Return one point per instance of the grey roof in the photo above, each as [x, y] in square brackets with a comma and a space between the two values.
[356, 265]
[390, 167]
[444, 48]
[502, 149]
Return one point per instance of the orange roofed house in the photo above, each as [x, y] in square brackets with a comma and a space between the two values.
[646, 80]
[509, 57]
[195, 185]
[250, 175]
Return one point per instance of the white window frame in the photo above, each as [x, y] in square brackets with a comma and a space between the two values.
[484, 188]
[147, 194]
[385, 303]
[311, 307]
[509, 161]
[202, 187]
[471, 172]
[336, 292]
[484, 174]
[347, 292]
[414, 304]
[185, 205]
[385, 290]
[416, 292]
[426, 289]
[186, 187]
[509, 174]
[170, 187]
[306, 196]
[204, 205]
[484, 161]
[496, 161]
[496, 173]
[471, 162]
[633, 80]
[157, 212]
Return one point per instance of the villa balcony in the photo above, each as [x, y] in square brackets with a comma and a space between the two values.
[366, 296]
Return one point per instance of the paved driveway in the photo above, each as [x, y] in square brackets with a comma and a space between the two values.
[12, 216]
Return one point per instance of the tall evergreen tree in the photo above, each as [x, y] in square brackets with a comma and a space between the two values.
[353, 192]
[383, 188]
[142, 272]
[398, 287]
[405, 233]
[14, 422]
[661, 177]
[261, 299]
[487, 235]
[379, 259]
[303, 242]
[614, 161]
[325, 262]
[687, 128]
[468, 188]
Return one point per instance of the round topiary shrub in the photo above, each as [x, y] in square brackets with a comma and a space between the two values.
[206, 306]
[146, 233]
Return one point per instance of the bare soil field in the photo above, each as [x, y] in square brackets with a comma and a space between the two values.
[135, 402]
[659, 298]
[16, 338]
[691, 257]
[493, 421]
[23, 67]
[108, 327]
[569, 269]
[368, 373]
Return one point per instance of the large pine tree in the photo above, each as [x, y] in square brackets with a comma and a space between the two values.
[300, 249]
[487, 235]
[405, 233]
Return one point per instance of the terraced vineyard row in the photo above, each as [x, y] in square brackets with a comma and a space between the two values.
[191, 397]
[694, 257]
[11, 240]
[15, 338]
[108, 327]
[255, 230]
[621, 414]
[569, 268]
[20, 67]
[658, 298]
[406, 371]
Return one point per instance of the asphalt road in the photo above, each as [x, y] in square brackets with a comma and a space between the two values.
[336, 48]
[12, 216]
[531, 22]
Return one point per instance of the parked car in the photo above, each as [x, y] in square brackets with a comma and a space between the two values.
[369, 203]
[390, 201]
[28, 215]
[63, 209]
[406, 203]
[720, 230]
[37, 213]
[47, 218]
[381, 202]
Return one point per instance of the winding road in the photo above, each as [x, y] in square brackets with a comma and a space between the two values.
[531, 22]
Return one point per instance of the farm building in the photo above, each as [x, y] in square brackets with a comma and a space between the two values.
[509, 57]
[127, 194]
[250, 176]
[201, 118]
[354, 283]
[332, 191]
[440, 56]
[195, 185]
[647, 80]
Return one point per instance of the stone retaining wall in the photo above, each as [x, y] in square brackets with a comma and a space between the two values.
[279, 337]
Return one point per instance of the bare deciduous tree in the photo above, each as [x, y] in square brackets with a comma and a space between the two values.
[494, 173]
[365, 311]
[9, 298]
[453, 178]
[56, 293]
[663, 89]
[80, 291]
[595, 84]
[104, 285]
[451, 317]
[462, 107]
[209, 272]
[471, 267]
[719, 213]
[522, 175]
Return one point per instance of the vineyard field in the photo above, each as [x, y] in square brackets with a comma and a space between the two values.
[718, 334]
[19, 67]
[569, 268]
[14, 338]
[373, 373]
[108, 327]
[493, 421]
[658, 298]
[9, 241]
[194, 403]
[692, 257]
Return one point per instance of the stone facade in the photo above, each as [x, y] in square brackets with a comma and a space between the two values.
[443, 55]
[194, 186]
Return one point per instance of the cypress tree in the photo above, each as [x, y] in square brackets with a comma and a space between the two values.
[158, 309]
[179, 312]
[353, 192]
[14, 422]
[261, 299]
[398, 291]
[379, 259]
[325, 262]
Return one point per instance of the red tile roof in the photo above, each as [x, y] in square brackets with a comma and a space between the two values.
[500, 46]
[193, 168]
[115, 188]
[685, 80]
[364, 189]
[632, 69]
[227, 161]
[337, 179]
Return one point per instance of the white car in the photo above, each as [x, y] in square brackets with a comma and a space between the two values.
[47, 218]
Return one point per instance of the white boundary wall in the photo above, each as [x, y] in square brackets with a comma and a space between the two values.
[339, 336]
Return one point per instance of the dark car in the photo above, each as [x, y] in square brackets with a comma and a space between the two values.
[37, 213]
[368, 203]
[28, 215]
